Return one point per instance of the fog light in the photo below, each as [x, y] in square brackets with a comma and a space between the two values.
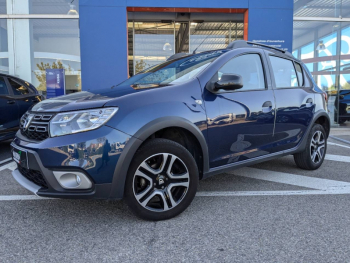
[72, 180]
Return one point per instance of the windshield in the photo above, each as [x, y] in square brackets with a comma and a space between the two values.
[174, 71]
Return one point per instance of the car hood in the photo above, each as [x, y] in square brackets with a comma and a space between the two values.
[84, 100]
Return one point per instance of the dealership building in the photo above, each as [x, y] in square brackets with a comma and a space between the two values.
[96, 44]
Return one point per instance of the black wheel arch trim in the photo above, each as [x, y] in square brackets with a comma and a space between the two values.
[317, 115]
[121, 170]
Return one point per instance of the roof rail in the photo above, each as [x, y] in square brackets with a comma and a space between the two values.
[242, 43]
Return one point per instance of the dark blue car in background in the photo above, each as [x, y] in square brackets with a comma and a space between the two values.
[150, 139]
[16, 97]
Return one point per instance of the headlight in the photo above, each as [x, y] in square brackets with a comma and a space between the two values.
[80, 121]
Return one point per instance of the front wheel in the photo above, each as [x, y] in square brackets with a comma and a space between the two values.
[162, 180]
[313, 155]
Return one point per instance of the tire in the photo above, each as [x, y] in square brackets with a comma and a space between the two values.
[165, 170]
[316, 147]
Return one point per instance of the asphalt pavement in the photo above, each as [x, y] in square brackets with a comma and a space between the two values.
[270, 212]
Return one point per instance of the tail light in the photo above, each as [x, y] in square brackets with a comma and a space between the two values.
[325, 96]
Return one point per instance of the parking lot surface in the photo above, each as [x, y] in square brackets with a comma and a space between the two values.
[270, 212]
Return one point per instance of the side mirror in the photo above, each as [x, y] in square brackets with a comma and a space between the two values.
[229, 82]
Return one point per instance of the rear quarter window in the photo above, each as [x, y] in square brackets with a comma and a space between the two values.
[284, 72]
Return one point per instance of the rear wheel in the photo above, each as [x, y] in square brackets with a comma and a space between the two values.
[162, 180]
[313, 155]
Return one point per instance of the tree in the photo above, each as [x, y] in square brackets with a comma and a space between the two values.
[140, 65]
[41, 75]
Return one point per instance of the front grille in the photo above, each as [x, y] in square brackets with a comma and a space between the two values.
[35, 126]
[34, 176]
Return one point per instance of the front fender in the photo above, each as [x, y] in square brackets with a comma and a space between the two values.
[140, 136]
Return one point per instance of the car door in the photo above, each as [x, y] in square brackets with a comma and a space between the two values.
[9, 111]
[294, 101]
[24, 95]
[241, 122]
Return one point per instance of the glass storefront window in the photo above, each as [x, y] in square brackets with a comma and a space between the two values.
[319, 8]
[325, 49]
[295, 53]
[153, 43]
[213, 35]
[56, 45]
[131, 48]
[63, 7]
[344, 80]
[4, 61]
[3, 7]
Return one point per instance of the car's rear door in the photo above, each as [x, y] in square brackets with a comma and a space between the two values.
[9, 114]
[295, 101]
[240, 122]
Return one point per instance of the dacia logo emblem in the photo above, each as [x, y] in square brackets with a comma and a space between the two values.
[27, 121]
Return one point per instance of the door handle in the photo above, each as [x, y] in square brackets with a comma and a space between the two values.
[309, 103]
[267, 107]
[11, 102]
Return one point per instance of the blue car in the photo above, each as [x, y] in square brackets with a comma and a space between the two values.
[16, 97]
[150, 139]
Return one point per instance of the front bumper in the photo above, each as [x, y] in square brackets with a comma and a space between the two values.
[52, 188]
[80, 153]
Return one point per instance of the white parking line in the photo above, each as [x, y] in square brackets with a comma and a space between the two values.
[337, 158]
[336, 144]
[21, 197]
[5, 161]
[11, 166]
[272, 193]
[291, 179]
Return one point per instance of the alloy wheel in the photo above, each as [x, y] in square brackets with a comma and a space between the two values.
[317, 147]
[161, 182]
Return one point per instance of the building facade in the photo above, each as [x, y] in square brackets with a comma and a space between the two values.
[96, 44]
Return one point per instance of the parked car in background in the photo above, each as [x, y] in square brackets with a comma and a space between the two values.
[174, 124]
[343, 108]
[16, 97]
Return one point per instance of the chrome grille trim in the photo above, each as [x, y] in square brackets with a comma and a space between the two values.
[38, 128]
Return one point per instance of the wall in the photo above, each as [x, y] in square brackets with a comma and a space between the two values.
[103, 31]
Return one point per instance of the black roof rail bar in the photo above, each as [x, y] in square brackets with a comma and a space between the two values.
[243, 43]
[263, 45]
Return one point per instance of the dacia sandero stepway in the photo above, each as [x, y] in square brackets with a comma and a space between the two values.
[150, 139]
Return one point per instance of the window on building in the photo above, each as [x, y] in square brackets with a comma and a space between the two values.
[63, 7]
[56, 45]
[2, 6]
[249, 67]
[4, 60]
[284, 72]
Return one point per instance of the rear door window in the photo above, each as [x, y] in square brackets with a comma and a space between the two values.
[3, 87]
[284, 72]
